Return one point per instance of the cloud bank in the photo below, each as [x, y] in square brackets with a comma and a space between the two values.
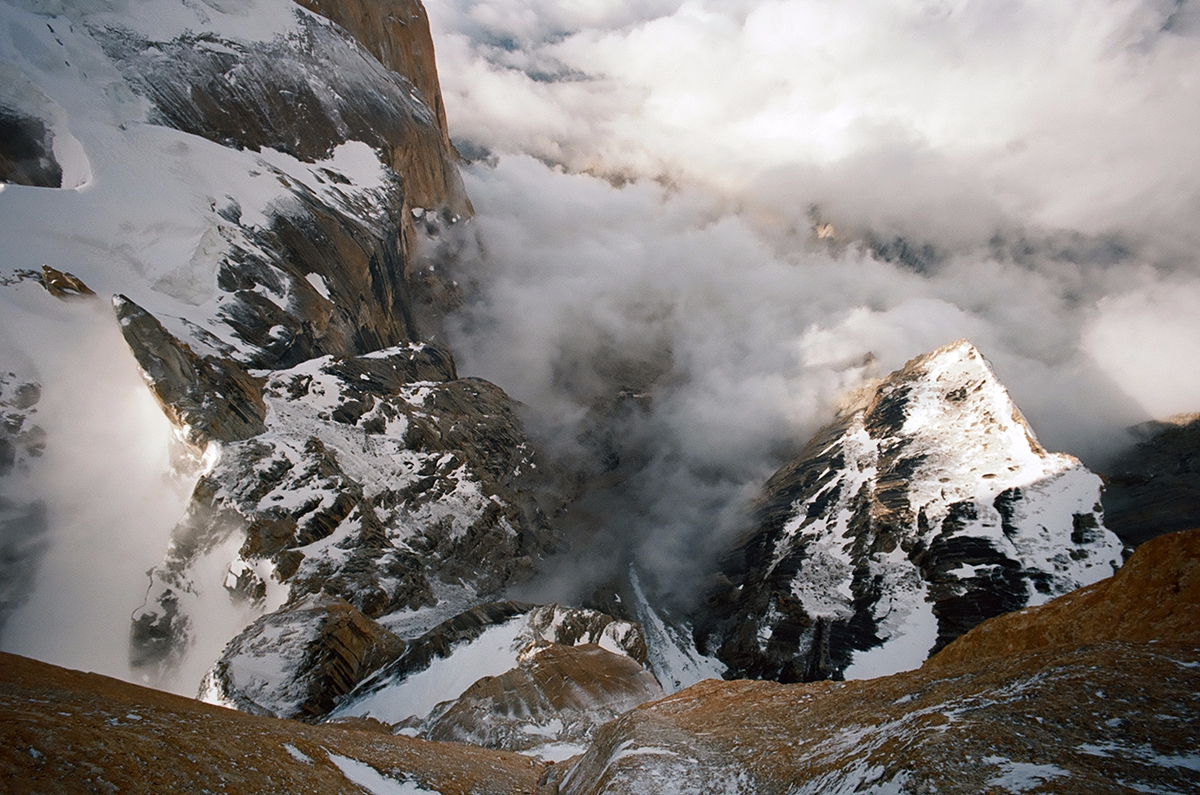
[728, 214]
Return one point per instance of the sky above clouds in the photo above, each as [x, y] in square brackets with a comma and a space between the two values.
[782, 199]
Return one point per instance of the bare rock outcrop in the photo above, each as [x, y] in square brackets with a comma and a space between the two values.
[208, 398]
[553, 701]
[297, 662]
[27, 151]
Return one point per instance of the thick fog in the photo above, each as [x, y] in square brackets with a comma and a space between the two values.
[703, 223]
[108, 485]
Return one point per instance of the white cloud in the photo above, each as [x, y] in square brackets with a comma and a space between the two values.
[1023, 174]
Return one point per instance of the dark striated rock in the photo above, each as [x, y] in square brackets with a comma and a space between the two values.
[297, 662]
[27, 151]
[208, 398]
[1154, 487]
[926, 508]
[397, 33]
[302, 95]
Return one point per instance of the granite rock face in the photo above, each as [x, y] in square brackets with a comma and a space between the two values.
[382, 479]
[926, 508]
[27, 151]
[208, 398]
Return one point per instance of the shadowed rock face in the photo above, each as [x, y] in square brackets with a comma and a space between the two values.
[1097, 691]
[210, 398]
[924, 510]
[297, 662]
[1154, 488]
[23, 522]
[26, 151]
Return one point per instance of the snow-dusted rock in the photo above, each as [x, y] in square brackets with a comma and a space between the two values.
[926, 508]
[1093, 692]
[486, 641]
[381, 479]
[550, 705]
[297, 662]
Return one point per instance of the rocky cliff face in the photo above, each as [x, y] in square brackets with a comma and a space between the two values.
[270, 290]
[383, 480]
[926, 508]
[1154, 487]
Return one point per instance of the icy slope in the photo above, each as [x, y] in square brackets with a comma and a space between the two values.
[247, 178]
[925, 509]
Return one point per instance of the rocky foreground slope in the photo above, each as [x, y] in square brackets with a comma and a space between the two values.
[1097, 691]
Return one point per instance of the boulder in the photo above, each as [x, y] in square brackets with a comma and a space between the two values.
[297, 662]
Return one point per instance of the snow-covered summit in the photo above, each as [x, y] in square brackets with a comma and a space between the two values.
[925, 508]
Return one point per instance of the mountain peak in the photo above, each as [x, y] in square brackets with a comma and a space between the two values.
[916, 515]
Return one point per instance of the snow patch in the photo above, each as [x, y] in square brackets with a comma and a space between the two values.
[373, 781]
[1022, 776]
